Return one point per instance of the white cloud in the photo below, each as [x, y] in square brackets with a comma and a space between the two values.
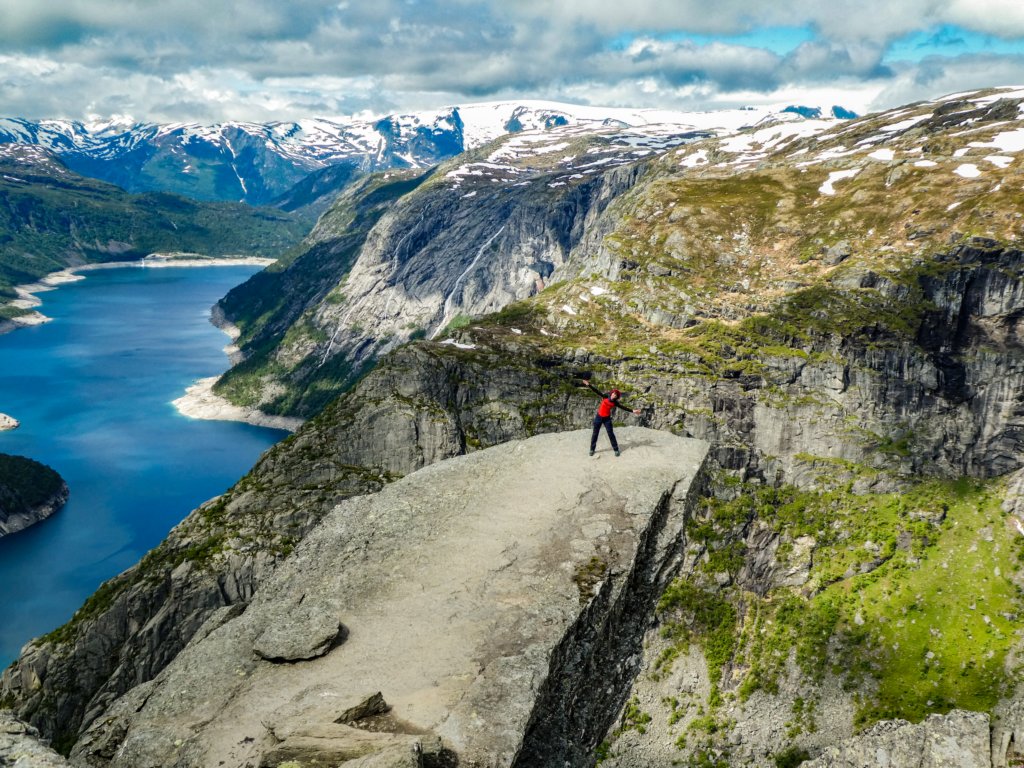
[267, 59]
[1002, 18]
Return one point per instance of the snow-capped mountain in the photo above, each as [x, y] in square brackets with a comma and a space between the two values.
[258, 163]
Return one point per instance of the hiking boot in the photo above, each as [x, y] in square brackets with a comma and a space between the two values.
[591, 451]
[617, 452]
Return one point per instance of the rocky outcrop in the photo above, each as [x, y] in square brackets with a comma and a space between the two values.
[421, 405]
[428, 402]
[871, 369]
[957, 740]
[8, 422]
[29, 492]
[496, 600]
[20, 746]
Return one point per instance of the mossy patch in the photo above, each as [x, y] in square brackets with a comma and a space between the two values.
[588, 575]
[910, 600]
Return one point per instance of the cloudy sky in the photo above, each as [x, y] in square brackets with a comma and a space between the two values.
[210, 60]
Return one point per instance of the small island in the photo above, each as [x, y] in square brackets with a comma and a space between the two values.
[29, 492]
[8, 422]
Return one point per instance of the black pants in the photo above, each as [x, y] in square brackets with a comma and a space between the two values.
[607, 421]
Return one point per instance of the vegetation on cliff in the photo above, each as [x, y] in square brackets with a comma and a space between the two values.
[51, 218]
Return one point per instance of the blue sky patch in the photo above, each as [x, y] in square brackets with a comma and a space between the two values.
[949, 40]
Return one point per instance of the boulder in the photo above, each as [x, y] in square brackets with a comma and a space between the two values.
[301, 632]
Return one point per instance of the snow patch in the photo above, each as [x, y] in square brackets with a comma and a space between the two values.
[457, 345]
[833, 177]
[1006, 141]
[700, 157]
[951, 206]
[968, 171]
[882, 154]
[925, 164]
[999, 161]
[835, 153]
[569, 310]
[903, 125]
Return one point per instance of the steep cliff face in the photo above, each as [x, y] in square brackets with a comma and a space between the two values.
[29, 492]
[489, 228]
[420, 405]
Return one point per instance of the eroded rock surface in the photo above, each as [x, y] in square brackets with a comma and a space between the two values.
[20, 746]
[496, 601]
[956, 740]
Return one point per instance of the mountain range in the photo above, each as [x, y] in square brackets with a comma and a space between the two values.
[261, 163]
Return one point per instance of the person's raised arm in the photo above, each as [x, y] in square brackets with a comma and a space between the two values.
[624, 407]
[593, 389]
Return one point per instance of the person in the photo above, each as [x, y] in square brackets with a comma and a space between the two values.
[609, 402]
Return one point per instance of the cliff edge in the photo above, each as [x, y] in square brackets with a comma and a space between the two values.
[487, 609]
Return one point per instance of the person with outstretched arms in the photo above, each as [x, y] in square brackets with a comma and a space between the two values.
[609, 402]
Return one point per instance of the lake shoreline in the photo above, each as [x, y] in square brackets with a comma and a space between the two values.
[27, 298]
[93, 391]
[199, 400]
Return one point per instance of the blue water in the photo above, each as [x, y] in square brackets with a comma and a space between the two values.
[93, 392]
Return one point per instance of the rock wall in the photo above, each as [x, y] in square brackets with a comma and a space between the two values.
[957, 740]
[419, 406]
[955, 395]
[20, 746]
[433, 254]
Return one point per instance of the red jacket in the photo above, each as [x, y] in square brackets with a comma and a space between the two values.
[604, 410]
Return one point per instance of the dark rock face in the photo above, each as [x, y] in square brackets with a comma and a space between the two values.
[940, 397]
[405, 257]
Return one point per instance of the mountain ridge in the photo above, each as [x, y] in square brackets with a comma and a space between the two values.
[259, 162]
[52, 218]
